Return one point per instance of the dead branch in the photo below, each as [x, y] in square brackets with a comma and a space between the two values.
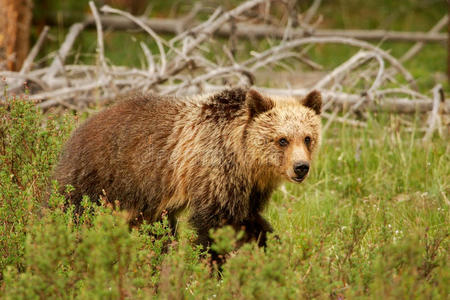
[316, 40]
[343, 120]
[414, 50]
[180, 63]
[194, 31]
[27, 64]
[245, 30]
[374, 35]
[312, 10]
[400, 91]
[34, 51]
[100, 46]
[341, 100]
[419, 45]
[66, 91]
[353, 62]
[331, 118]
[156, 38]
[148, 55]
[434, 119]
[60, 57]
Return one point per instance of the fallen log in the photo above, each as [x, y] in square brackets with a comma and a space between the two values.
[174, 26]
[341, 101]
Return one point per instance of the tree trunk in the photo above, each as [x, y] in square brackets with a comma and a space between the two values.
[448, 44]
[15, 21]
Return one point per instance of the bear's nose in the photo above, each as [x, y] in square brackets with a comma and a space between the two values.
[301, 168]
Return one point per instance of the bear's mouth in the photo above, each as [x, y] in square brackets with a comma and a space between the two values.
[298, 179]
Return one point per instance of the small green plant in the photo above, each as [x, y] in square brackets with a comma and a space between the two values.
[225, 239]
[29, 146]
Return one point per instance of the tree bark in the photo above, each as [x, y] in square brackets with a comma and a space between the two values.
[448, 44]
[15, 21]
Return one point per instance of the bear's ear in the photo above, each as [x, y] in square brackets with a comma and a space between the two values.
[257, 103]
[314, 101]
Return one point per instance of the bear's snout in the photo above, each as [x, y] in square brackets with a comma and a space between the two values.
[301, 169]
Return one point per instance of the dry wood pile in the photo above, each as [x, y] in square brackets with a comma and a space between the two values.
[361, 84]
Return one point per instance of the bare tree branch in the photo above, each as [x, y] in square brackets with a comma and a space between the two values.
[312, 10]
[34, 51]
[316, 40]
[434, 118]
[419, 45]
[157, 38]
[58, 61]
[245, 30]
[98, 24]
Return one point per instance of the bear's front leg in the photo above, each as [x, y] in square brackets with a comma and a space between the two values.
[256, 229]
[202, 222]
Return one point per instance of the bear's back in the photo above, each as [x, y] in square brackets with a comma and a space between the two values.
[110, 150]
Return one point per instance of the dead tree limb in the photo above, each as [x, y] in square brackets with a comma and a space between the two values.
[100, 45]
[321, 40]
[354, 61]
[245, 30]
[27, 64]
[434, 119]
[419, 45]
[312, 10]
[158, 40]
[180, 63]
[58, 61]
[34, 51]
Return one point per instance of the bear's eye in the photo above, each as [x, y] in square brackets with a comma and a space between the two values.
[283, 142]
[307, 140]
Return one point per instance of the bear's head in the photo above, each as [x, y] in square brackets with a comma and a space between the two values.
[282, 134]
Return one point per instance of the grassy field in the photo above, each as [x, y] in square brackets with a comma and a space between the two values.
[371, 222]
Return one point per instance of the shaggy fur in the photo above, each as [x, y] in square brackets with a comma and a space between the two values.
[218, 155]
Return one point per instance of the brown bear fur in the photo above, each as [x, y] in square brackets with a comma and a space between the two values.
[218, 155]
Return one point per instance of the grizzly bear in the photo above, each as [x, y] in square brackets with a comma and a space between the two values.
[219, 155]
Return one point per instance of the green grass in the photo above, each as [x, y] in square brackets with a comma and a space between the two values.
[372, 221]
